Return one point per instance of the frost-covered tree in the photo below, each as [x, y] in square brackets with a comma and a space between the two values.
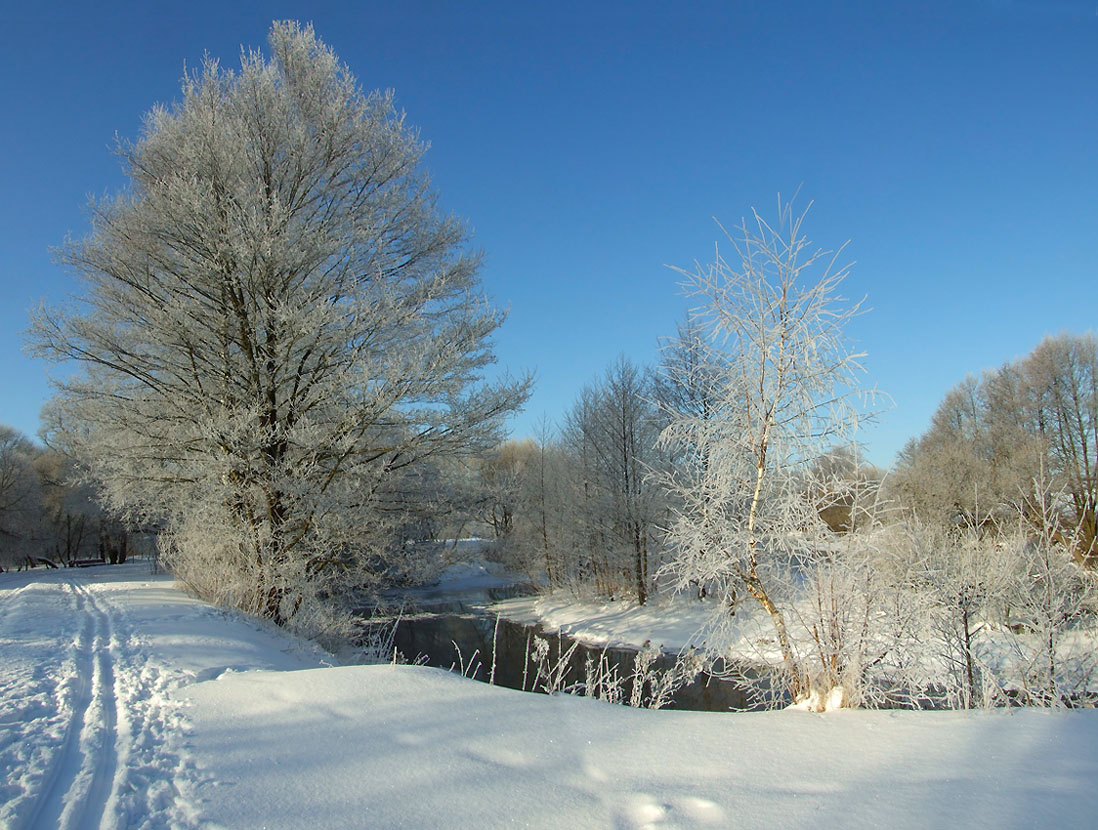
[993, 436]
[687, 377]
[963, 577]
[1061, 377]
[20, 496]
[545, 531]
[278, 324]
[781, 383]
[500, 477]
[1051, 605]
[974, 462]
[72, 523]
[611, 433]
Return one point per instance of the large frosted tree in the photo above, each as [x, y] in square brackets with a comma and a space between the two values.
[278, 324]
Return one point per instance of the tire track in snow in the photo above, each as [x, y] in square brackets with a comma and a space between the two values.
[78, 789]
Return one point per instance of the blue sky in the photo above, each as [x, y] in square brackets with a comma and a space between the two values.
[589, 145]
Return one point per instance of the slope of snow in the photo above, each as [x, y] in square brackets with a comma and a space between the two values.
[124, 703]
[90, 723]
[399, 746]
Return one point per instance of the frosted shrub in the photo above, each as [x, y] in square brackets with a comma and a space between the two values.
[994, 616]
[644, 686]
[1052, 616]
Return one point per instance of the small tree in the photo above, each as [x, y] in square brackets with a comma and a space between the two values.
[278, 323]
[781, 382]
[964, 577]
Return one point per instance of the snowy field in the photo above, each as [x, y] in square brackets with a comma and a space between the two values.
[124, 703]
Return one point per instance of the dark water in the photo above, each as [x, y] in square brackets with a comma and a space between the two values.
[503, 652]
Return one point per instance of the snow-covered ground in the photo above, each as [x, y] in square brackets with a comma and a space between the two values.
[669, 622]
[463, 576]
[124, 703]
[674, 622]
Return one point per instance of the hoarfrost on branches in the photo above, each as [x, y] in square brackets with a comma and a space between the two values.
[278, 325]
[772, 365]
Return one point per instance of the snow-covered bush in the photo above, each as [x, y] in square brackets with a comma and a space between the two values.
[1051, 613]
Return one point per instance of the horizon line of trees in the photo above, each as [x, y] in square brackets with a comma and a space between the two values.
[47, 517]
[963, 577]
[991, 438]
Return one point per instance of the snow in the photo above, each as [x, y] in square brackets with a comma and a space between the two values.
[466, 576]
[666, 621]
[469, 570]
[125, 703]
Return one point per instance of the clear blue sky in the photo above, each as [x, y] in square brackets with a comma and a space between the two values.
[591, 144]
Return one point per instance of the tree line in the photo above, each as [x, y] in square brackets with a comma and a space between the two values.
[997, 447]
[964, 576]
[46, 516]
[994, 436]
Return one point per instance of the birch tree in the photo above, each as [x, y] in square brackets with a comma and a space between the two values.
[781, 387]
[277, 323]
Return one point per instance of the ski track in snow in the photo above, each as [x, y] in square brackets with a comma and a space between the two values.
[110, 763]
[77, 788]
